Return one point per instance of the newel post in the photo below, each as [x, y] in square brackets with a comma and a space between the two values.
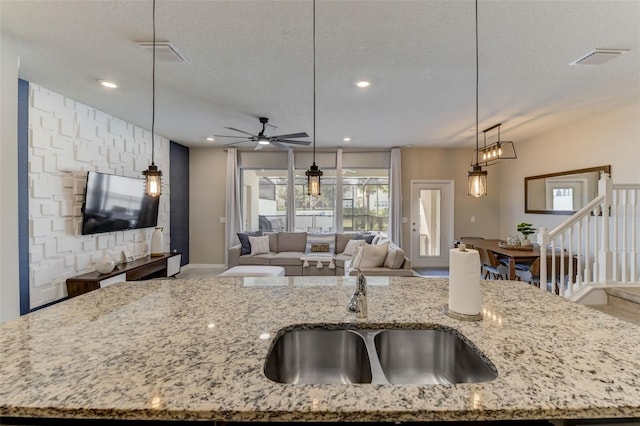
[605, 257]
[543, 241]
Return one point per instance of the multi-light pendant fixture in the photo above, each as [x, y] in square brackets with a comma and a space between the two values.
[153, 176]
[314, 173]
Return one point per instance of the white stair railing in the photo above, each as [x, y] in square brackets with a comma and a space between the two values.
[598, 245]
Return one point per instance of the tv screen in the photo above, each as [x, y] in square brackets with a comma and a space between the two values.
[116, 203]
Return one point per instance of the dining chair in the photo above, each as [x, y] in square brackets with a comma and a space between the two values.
[491, 266]
[532, 274]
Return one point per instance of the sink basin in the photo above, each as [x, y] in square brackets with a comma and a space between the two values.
[429, 357]
[319, 356]
[388, 356]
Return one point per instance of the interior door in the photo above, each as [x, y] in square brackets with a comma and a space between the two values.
[431, 223]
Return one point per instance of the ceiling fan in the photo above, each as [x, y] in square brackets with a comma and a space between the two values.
[278, 141]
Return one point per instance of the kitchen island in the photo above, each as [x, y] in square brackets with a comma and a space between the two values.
[195, 350]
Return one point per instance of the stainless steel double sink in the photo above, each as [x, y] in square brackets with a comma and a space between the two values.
[320, 355]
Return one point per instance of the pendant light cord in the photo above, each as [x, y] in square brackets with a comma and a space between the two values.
[477, 79]
[153, 86]
[314, 82]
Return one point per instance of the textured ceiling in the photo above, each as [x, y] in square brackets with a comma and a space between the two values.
[253, 58]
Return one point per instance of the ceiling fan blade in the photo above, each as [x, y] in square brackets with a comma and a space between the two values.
[279, 145]
[235, 143]
[229, 136]
[304, 143]
[292, 135]
[241, 131]
[258, 147]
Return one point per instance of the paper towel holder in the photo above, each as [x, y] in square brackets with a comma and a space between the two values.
[461, 317]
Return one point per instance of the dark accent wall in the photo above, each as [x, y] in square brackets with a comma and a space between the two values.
[23, 194]
[179, 199]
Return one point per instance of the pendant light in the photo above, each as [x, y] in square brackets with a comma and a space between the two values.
[477, 177]
[314, 173]
[153, 176]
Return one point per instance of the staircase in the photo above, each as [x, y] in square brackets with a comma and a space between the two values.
[622, 302]
[601, 241]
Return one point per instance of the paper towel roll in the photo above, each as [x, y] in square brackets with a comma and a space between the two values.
[464, 282]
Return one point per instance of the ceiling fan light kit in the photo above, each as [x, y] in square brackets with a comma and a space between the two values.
[262, 139]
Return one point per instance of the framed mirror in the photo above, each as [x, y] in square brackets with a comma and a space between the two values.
[562, 192]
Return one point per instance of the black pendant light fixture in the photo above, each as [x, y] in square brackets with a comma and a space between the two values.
[314, 173]
[477, 177]
[153, 176]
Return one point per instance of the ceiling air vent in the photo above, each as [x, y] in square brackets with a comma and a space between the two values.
[598, 56]
[165, 51]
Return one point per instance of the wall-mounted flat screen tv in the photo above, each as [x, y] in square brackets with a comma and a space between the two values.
[116, 203]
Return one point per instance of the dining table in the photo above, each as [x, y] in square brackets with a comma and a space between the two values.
[513, 255]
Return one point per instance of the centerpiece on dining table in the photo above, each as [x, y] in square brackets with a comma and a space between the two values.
[515, 243]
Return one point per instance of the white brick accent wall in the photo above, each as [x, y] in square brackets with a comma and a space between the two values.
[66, 140]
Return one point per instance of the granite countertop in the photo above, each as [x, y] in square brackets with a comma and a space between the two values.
[195, 350]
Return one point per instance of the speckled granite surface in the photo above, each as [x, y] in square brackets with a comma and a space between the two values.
[195, 349]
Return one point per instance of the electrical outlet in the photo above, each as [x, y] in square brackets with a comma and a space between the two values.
[473, 219]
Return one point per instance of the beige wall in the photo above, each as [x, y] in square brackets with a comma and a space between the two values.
[612, 138]
[609, 139]
[448, 164]
[207, 193]
[9, 281]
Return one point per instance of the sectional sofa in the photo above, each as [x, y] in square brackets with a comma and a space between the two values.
[290, 251]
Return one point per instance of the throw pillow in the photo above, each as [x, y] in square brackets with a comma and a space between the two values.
[395, 257]
[372, 256]
[244, 241]
[368, 238]
[320, 248]
[351, 246]
[319, 240]
[259, 245]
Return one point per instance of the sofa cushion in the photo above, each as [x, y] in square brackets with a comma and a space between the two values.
[395, 257]
[351, 246]
[320, 243]
[340, 259]
[244, 241]
[292, 241]
[286, 258]
[259, 245]
[259, 259]
[370, 256]
[341, 241]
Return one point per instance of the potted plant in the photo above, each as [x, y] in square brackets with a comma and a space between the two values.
[526, 229]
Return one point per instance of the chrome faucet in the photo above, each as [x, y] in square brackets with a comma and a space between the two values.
[358, 301]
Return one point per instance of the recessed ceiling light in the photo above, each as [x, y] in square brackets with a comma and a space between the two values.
[363, 84]
[346, 139]
[210, 138]
[109, 84]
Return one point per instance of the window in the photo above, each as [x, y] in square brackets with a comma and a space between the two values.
[264, 200]
[317, 213]
[365, 200]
